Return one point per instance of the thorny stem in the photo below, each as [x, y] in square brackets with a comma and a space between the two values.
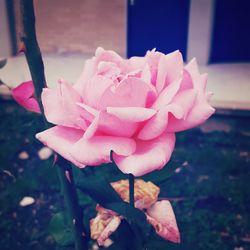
[34, 59]
[70, 196]
[29, 46]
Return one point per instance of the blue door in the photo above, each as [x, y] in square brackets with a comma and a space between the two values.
[231, 31]
[160, 24]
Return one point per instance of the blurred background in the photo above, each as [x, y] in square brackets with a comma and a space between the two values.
[215, 32]
[211, 164]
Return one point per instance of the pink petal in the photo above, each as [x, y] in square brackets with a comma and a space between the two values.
[153, 58]
[91, 68]
[175, 66]
[30, 104]
[162, 73]
[60, 106]
[131, 92]
[106, 56]
[167, 94]
[149, 155]
[94, 90]
[155, 126]
[111, 125]
[131, 114]
[24, 95]
[99, 51]
[199, 114]
[209, 95]
[158, 123]
[108, 69]
[24, 90]
[96, 150]
[146, 74]
[200, 110]
[108, 124]
[161, 216]
[91, 130]
[199, 80]
[185, 99]
[90, 110]
[169, 69]
[61, 140]
[136, 62]
[173, 100]
[203, 82]
[88, 72]
[186, 82]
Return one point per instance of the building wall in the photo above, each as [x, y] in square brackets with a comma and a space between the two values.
[79, 26]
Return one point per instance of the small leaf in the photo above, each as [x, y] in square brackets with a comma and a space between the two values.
[60, 231]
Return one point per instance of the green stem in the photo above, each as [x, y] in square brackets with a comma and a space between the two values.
[36, 67]
[131, 179]
[71, 200]
[31, 49]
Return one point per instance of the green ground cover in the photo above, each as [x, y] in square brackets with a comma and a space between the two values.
[207, 181]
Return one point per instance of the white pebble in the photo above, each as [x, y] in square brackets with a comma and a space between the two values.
[107, 243]
[177, 170]
[45, 153]
[95, 247]
[185, 163]
[26, 201]
[23, 155]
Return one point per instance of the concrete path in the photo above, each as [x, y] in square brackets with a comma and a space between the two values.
[230, 83]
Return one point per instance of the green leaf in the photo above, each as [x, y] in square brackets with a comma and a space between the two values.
[84, 200]
[60, 230]
[136, 219]
[130, 213]
[120, 238]
[135, 226]
[160, 176]
[99, 190]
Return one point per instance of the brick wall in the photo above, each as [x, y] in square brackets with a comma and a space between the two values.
[79, 26]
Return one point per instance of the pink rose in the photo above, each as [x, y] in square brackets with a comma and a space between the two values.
[131, 106]
[24, 95]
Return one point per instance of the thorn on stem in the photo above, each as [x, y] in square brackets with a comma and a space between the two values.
[111, 155]
[67, 174]
[55, 159]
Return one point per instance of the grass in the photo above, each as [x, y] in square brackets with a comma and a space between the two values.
[207, 181]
